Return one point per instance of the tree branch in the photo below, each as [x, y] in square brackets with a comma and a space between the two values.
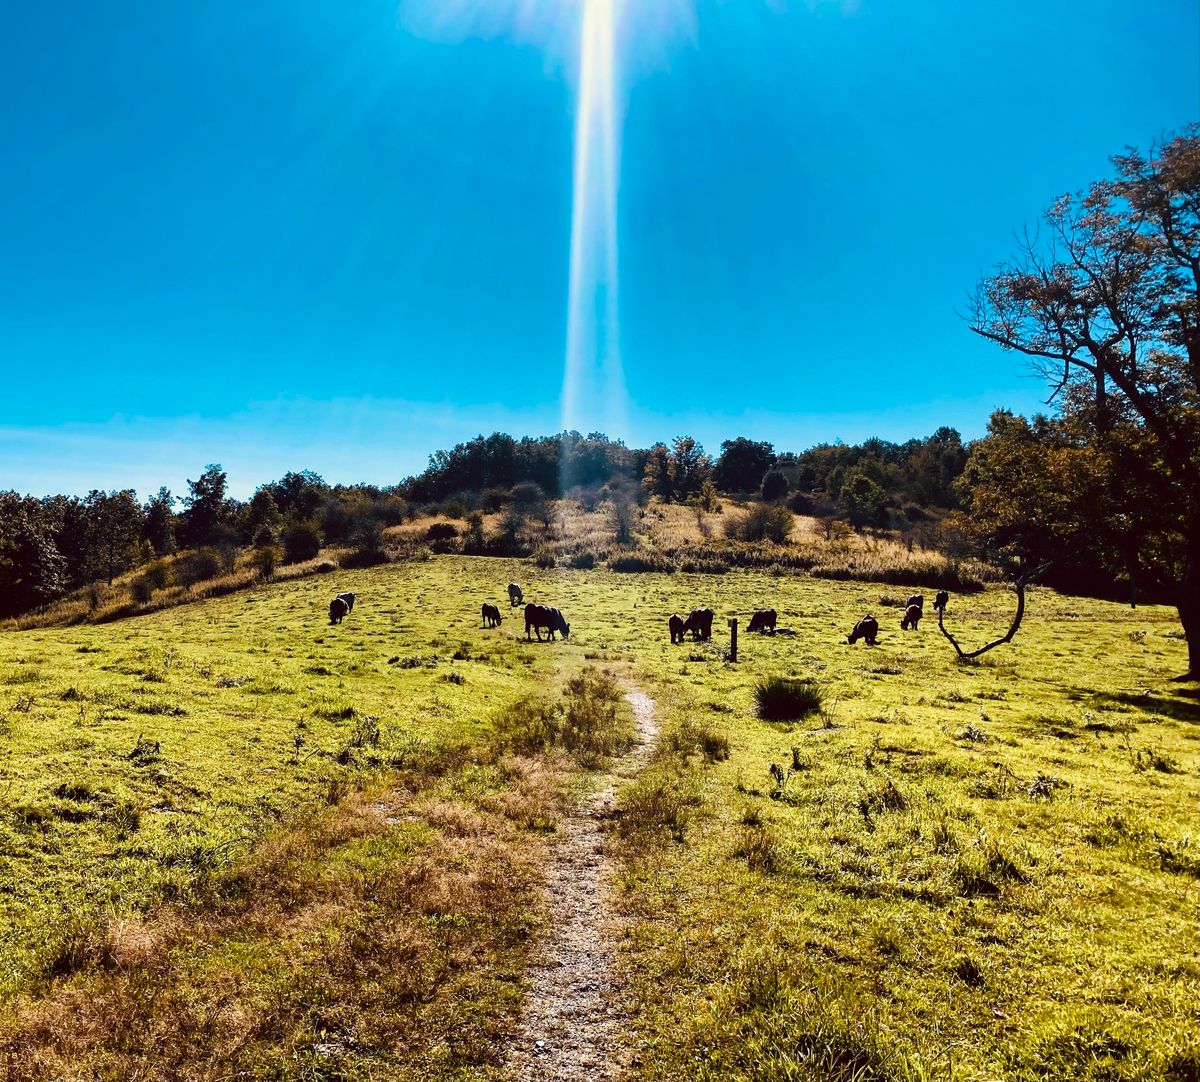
[1019, 587]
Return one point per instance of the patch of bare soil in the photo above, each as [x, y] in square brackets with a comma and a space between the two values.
[573, 1021]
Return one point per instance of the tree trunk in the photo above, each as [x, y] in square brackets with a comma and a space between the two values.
[1189, 603]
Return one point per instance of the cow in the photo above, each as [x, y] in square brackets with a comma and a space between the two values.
[675, 623]
[543, 616]
[912, 617]
[491, 615]
[916, 599]
[941, 601]
[762, 620]
[338, 608]
[699, 623]
[866, 628]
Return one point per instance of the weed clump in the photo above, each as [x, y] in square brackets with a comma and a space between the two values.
[759, 848]
[691, 737]
[784, 698]
[984, 869]
[587, 724]
[658, 801]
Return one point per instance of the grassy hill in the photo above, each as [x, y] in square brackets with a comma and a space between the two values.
[296, 850]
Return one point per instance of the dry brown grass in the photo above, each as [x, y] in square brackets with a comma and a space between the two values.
[380, 929]
[101, 603]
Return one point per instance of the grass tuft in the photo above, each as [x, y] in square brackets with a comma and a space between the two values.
[784, 698]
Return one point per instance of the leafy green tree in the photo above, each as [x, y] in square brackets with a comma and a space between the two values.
[159, 522]
[862, 500]
[1104, 305]
[206, 508]
[262, 517]
[32, 571]
[690, 467]
[658, 479]
[742, 463]
[114, 527]
[299, 496]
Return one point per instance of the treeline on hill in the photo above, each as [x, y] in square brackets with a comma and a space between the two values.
[917, 490]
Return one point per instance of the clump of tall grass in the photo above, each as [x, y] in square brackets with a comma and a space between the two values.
[588, 722]
[786, 698]
[660, 800]
[691, 737]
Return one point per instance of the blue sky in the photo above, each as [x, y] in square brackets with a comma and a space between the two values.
[335, 235]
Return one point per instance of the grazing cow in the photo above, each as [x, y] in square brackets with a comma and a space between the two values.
[543, 616]
[941, 601]
[916, 599]
[338, 608]
[762, 620]
[699, 623]
[866, 628]
[515, 597]
[912, 617]
[491, 616]
[675, 623]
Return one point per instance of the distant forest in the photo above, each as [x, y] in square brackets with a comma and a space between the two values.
[917, 489]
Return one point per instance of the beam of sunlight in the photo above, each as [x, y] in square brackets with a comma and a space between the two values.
[593, 382]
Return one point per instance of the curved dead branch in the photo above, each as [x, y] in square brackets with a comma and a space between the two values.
[1019, 588]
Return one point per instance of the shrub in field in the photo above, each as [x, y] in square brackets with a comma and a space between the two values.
[637, 562]
[157, 574]
[265, 560]
[774, 486]
[494, 498]
[365, 557]
[441, 531]
[766, 522]
[199, 566]
[300, 542]
[785, 698]
[141, 589]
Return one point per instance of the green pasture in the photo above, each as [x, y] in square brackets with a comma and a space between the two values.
[976, 871]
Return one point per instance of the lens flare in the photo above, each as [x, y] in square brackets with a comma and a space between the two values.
[593, 384]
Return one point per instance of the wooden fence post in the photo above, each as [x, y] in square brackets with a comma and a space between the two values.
[733, 639]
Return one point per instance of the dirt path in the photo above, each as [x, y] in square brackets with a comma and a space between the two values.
[571, 1030]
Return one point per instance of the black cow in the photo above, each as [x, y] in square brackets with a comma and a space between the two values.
[941, 601]
[866, 628]
[338, 608]
[515, 597]
[491, 616]
[912, 617]
[762, 620]
[699, 623]
[675, 623]
[916, 599]
[543, 616]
